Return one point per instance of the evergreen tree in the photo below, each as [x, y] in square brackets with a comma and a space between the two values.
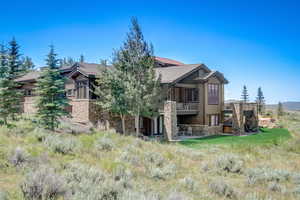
[3, 61]
[245, 96]
[280, 110]
[52, 100]
[9, 95]
[135, 60]
[81, 58]
[260, 99]
[14, 63]
[27, 64]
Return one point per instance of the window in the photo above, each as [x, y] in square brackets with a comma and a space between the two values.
[82, 89]
[214, 120]
[192, 94]
[28, 93]
[213, 94]
[69, 92]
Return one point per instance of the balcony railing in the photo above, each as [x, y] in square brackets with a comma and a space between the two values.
[187, 106]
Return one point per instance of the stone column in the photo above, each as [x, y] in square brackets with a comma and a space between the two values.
[170, 120]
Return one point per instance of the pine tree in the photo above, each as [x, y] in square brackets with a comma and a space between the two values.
[27, 64]
[280, 110]
[9, 95]
[14, 63]
[52, 100]
[3, 61]
[135, 60]
[245, 96]
[260, 99]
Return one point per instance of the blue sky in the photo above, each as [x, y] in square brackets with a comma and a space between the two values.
[252, 42]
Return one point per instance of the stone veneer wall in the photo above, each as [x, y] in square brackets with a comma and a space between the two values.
[80, 110]
[204, 130]
[86, 111]
[170, 120]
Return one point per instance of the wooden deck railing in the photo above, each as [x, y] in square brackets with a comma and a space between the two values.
[187, 106]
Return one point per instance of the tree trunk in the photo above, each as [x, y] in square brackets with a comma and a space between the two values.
[137, 125]
[123, 124]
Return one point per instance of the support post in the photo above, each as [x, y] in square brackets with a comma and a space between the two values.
[170, 120]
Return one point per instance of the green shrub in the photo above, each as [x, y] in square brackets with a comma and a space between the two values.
[62, 145]
[43, 184]
[19, 157]
[229, 163]
[177, 196]
[40, 134]
[129, 157]
[221, 188]
[104, 144]
[162, 173]
[135, 195]
[275, 187]
[154, 158]
[261, 175]
[91, 183]
[189, 183]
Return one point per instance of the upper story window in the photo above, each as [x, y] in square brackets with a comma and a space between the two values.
[213, 94]
[82, 89]
[192, 94]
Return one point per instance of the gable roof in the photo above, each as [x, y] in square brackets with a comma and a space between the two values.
[168, 61]
[217, 74]
[31, 76]
[172, 74]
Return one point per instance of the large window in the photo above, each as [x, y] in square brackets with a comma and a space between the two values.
[192, 94]
[213, 94]
[82, 89]
[214, 120]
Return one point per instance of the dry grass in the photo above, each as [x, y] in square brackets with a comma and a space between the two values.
[163, 171]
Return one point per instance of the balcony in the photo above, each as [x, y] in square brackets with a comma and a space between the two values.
[187, 108]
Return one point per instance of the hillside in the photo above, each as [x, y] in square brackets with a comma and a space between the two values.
[290, 105]
[41, 165]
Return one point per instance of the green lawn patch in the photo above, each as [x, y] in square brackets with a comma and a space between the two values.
[265, 136]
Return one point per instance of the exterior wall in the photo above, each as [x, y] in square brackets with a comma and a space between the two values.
[213, 109]
[29, 105]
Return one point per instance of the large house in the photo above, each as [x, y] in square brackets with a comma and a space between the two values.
[194, 104]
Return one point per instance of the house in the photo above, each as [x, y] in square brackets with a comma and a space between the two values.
[194, 103]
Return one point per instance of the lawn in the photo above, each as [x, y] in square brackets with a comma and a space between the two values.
[265, 136]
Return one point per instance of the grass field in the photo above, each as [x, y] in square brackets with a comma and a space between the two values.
[38, 165]
[264, 137]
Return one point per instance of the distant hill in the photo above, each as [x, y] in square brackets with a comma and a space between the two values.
[289, 105]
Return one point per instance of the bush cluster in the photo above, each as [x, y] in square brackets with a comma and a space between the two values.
[221, 188]
[104, 144]
[229, 163]
[62, 145]
[19, 157]
[43, 183]
[91, 183]
[261, 175]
